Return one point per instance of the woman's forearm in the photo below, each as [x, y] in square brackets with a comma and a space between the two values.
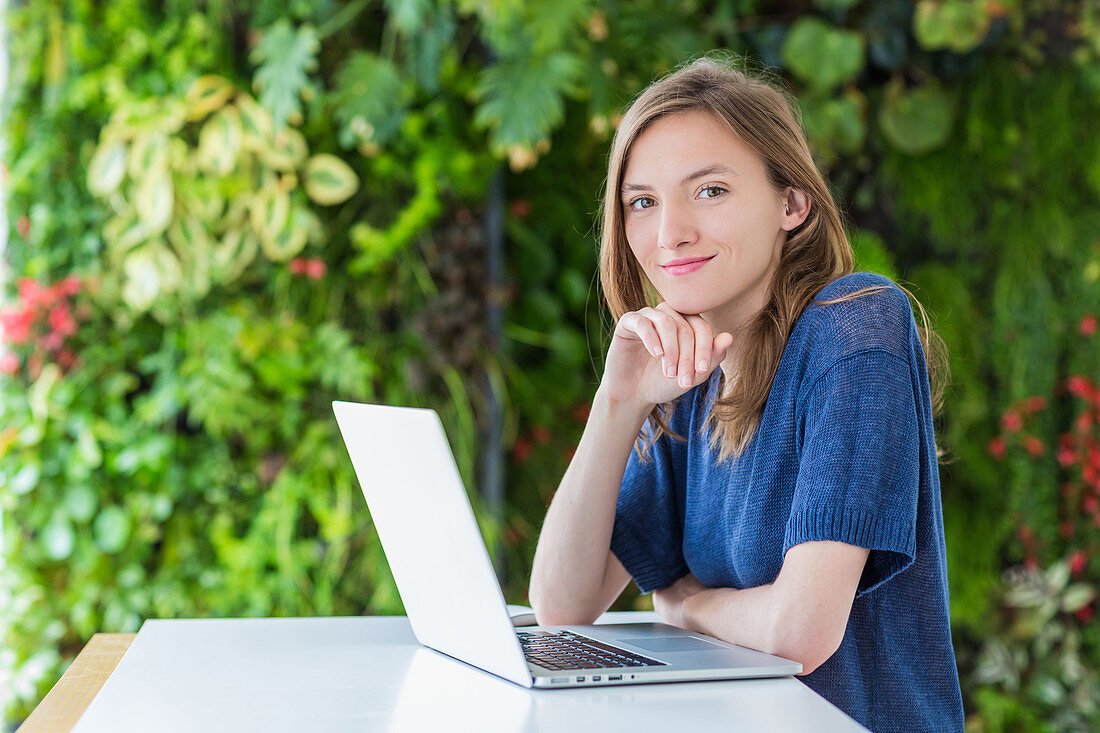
[743, 617]
[570, 565]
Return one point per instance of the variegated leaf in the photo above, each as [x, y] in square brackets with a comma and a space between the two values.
[257, 128]
[286, 150]
[154, 201]
[287, 242]
[268, 211]
[220, 141]
[1077, 596]
[206, 94]
[329, 180]
[236, 251]
[107, 167]
[150, 152]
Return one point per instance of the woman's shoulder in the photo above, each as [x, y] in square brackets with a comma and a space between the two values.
[862, 311]
[881, 290]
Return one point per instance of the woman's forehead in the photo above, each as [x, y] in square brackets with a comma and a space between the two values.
[672, 149]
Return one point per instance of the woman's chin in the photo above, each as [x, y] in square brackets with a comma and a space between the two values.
[686, 304]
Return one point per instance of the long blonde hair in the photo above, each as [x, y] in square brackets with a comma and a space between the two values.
[766, 118]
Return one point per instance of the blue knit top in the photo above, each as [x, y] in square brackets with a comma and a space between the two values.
[846, 452]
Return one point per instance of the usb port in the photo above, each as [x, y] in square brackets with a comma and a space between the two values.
[613, 677]
[558, 680]
[595, 678]
[580, 679]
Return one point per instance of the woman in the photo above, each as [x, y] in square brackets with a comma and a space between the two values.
[783, 491]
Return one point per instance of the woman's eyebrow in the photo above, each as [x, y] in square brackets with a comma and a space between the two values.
[707, 171]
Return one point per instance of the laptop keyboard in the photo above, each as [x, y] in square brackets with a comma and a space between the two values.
[567, 650]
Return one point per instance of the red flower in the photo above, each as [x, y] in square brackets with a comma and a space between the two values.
[61, 320]
[315, 269]
[1083, 422]
[1084, 613]
[997, 448]
[580, 412]
[1091, 504]
[1079, 386]
[1066, 457]
[30, 292]
[66, 358]
[1025, 534]
[521, 450]
[520, 208]
[9, 363]
[52, 341]
[1077, 562]
[540, 434]
[1087, 325]
[1033, 445]
[17, 323]
[1034, 404]
[297, 266]
[70, 286]
[1011, 421]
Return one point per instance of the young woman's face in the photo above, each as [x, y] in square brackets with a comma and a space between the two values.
[693, 190]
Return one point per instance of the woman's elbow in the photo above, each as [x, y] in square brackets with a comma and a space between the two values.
[809, 645]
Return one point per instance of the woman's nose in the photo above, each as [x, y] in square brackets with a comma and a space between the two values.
[677, 226]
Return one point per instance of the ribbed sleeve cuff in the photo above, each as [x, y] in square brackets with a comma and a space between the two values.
[892, 543]
[649, 572]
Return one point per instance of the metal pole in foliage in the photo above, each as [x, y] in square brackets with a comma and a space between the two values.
[492, 457]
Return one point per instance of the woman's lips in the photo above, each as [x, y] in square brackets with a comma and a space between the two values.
[689, 267]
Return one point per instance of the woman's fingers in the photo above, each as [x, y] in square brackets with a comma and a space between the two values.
[667, 330]
[722, 342]
[685, 337]
[686, 345]
[643, 328]
[704, 344]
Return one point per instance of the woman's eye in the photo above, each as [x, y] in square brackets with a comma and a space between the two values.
[639, 200]
[718, 189]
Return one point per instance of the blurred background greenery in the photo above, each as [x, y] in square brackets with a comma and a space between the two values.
[223, 215]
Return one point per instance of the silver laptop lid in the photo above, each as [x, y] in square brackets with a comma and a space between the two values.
[430, 536]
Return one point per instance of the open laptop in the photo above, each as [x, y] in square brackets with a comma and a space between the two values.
[451, 593]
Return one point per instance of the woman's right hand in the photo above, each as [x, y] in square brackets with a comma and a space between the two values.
[650, 343]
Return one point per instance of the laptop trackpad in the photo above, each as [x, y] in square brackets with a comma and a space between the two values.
[672, 644]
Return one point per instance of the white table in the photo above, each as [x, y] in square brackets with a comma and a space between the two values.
[370, 674]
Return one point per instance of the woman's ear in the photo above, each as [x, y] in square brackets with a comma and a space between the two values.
[797, 208]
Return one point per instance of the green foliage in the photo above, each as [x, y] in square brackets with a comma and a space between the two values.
[1036, 656]
[835, 125]
[284, 57]
[821, 55]
[959, 25]
[916, 121]
[521, 98]
[871, 254]
[369, 100]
